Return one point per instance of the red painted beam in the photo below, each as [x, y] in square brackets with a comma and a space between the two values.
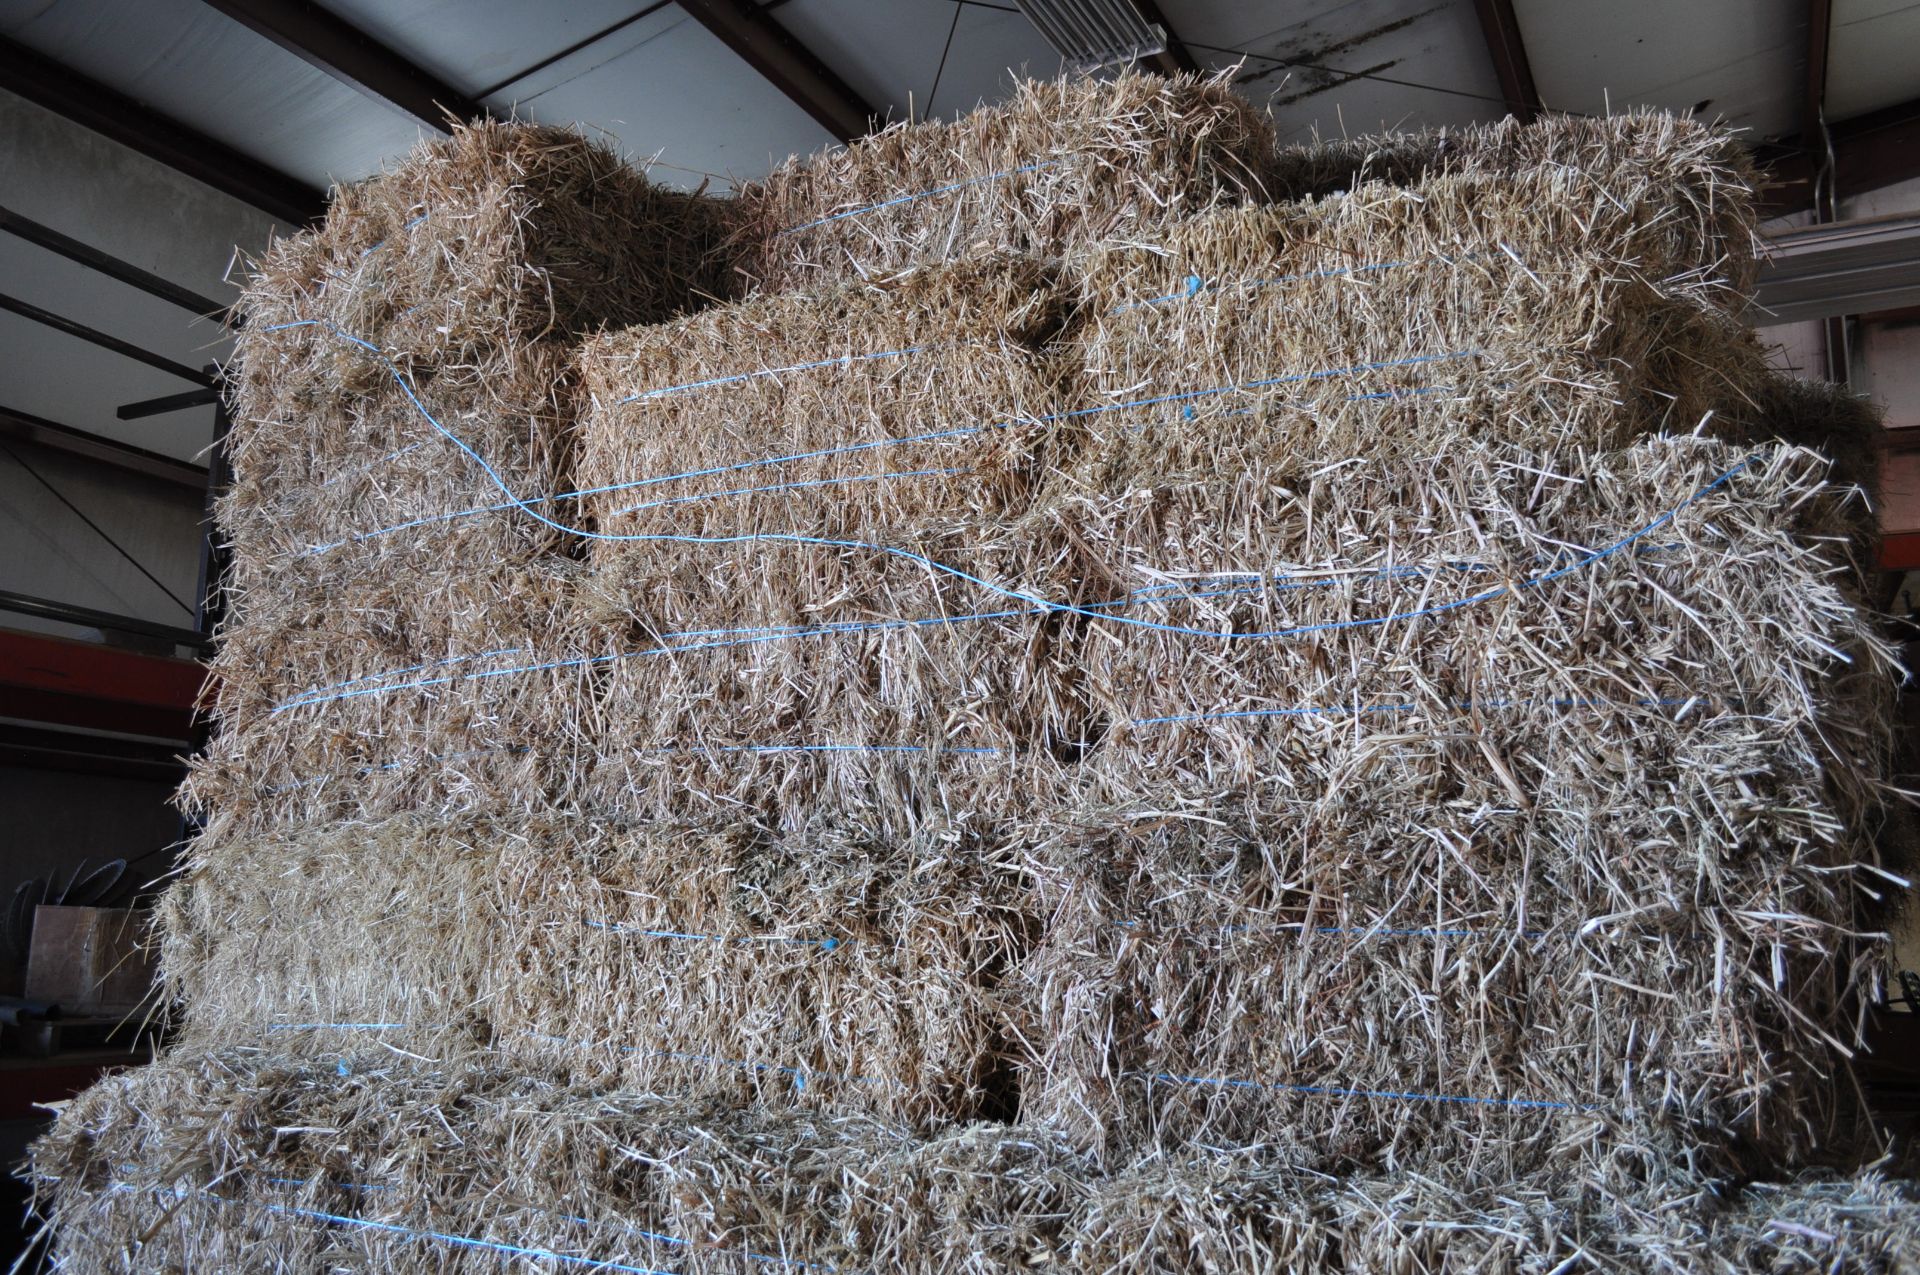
[1900, 551]
[68, 683]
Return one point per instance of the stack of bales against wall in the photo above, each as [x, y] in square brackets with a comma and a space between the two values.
[380, 1163]
[438, 299]
[997, 731]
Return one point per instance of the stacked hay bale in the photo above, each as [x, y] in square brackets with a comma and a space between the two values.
[1060, 164]
[374, 1166]
[424, 326]
[1230, 748]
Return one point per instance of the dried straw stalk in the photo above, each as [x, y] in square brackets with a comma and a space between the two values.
[247, 1162]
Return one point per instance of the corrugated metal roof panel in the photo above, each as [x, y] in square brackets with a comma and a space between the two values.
[1873, 56]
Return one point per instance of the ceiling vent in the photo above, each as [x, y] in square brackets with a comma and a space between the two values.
[1091, 34]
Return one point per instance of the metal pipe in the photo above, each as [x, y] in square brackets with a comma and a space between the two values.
[27, 310]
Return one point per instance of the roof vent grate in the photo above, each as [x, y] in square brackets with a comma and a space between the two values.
[1091, 34]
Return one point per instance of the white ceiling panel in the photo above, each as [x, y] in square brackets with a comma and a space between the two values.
[475, 45]
[991, 47]
[1352, 66]
[1742, 62]
[893, 54]
[1873, 56]
[665, 87]
[189, 62]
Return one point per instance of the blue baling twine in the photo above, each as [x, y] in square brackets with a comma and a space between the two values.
[850, 448]
[1039, 606]
[844, 360]
[794, 486]
[656, 1236]
[444, 1237]
[1195, 285]
[924, 194]
[1271, 583]
[799, 1077]
[956, 572]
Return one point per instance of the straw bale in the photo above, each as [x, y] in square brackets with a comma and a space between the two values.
[448, 743]
[1694, 183]
[1530, 309]
[1059, 163]
[1643, 793]
[839, 970]
[439, 298]
[809, 412]
[464, 268]
[496, 236]
[241, 1161]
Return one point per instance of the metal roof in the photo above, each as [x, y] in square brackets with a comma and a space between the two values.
[269, 101]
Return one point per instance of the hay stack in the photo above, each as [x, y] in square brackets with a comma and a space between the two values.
[1686, 181]
[243, 1161]
[1059, 164]
[1278, 739]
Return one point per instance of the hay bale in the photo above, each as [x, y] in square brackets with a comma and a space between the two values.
[1058, 164]
[243, 1161]
[1693, 184]
[439, 298]
[840, 970]
[1532, 309]
[1451, 856]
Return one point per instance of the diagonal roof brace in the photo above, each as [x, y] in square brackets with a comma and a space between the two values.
[353, 57]
[788, 65]
[1501, 27]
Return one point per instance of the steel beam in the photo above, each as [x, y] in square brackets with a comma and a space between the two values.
[106, 621]
[118, 117]
[1509, 52]
[88, 754]
[161, 406]
[114, 268]
[27, 310]
[355, 58]
[787, 64]
[60, 682]
[1176, 60]
[17, 426]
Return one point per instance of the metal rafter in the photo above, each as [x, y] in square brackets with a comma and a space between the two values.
[25, 427]
[353, 57]
[126, 349]
[114, 115]
[1509, 52]
[787, 64]
[104, 263]
[1176, 60]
